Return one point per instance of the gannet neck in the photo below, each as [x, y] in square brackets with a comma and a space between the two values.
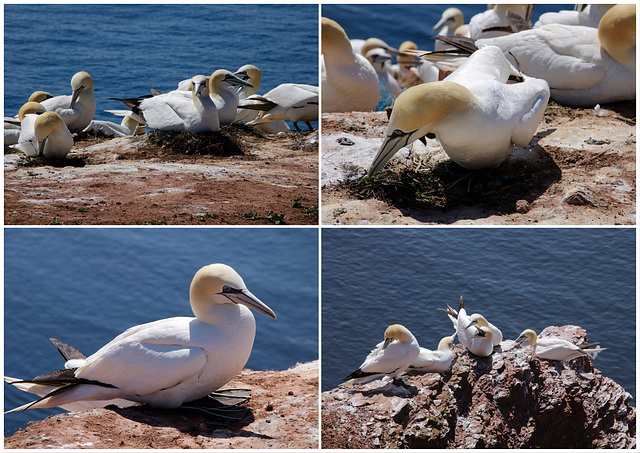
[200, 92]
[397, 332]
[528, 337]
[218, 284]
[335, 44]
[617, 32]
[452, 18]
[80, 82]
[445, 344]
[45, 124]
[30, 108]
[39, 96]
[405, 60]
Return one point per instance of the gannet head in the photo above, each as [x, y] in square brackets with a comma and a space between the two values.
[484, 332]
[451, 17]
[378, 57]
[528, 337]
[334, 38]
[404, 59]
[477, 319]
[396, 332]
[416, 112]
[373, 43]
[30, 108]
[39, 96]
[79, 82]
[44, 126]
[617, 32]
[446, 343]
[251, 74]
[222, 79]
[220, 284]
[198, 85]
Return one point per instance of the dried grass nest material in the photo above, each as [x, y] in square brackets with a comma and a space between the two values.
[213, 143]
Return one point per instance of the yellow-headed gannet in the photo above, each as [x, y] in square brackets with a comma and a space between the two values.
[349, 82]
[496, 17]
[39, 96]
[13, 127]
[390, 357]
[167, 362]
[481, 344]
[78, 109]
[590, 17]
[474, 319]
[451, 20]
[288, 101]
[388, 85]
[175, 111]
[435, 361]
[556, 348]
[44, 134]
[473, 112]
[478, 340]
[222, 83]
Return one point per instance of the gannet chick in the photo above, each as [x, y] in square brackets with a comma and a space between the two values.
[349, 82]
[39, 96]
[49, 136]
[451, 20]
[388, 86]
[473, 112]
[13, 126]
[435, 361]
[78, 109]
[556, 348]
[167, 362]
[176, 112]
[496, 17]
[390, 357]
[288, 101]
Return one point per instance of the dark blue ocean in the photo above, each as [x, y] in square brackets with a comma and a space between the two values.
[396, 23]
[84, 286]
[518, 278]
[129, 49]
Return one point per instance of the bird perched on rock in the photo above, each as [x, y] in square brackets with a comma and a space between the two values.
[557, 348]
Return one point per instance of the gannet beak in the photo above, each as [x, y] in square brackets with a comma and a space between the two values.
[233, 80]
[382, 58]
[392, 50]
[41, 146]
[521, 339]
[442, 23]
[390, 146]
[244, 297]
[76, 93]
[242, 75]
[387, 342]
[475, 321]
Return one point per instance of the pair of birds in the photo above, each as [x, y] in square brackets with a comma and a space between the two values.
[400, 350]
[164, 363]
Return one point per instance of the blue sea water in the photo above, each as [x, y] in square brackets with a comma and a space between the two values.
[518, 278]
[85, 286]
[396, 23]
[129, 49]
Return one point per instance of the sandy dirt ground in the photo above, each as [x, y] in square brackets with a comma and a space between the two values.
[284, 414]
[580, 168]
[127, 181]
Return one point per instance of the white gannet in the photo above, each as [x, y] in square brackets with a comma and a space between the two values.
[390, 357]
[253, 75]
[44, 134]
[222, 83]
[584, 66]
[288, 101]
[131, 124]
[478, 340]
[473, 112]
[348, 81]
[556, 348]
[78, 109]
[481, 344]
[175, 111]
[496, 17]
[472, 320]
[167, 362]
[590, 17]
[13, 125]
[39, 96]
[451, 20]
[435, 361]
[388, 86]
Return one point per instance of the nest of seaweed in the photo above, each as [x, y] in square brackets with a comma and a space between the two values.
[224, 143]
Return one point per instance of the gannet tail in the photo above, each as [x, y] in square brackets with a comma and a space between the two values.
[68, 352]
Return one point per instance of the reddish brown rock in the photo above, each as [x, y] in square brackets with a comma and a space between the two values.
[284, 414]
[508, 400]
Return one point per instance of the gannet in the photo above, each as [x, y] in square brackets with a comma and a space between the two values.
[435, 361]
[481, 344]
[388, 86]
[288, 101]
[405, 61]
[473, 112]
[167, 362]
[349, 82]
[39, 96]
[224, 96]
[496, 17]
[78, 109]
[451, 20]
[45, 134]
[473, 320]
[390, 357]
[478, 340]
[584, 66]
[556, 348]
[590, 17]
[131, 124]
[13, 125]
[176, 112]
[253, 75]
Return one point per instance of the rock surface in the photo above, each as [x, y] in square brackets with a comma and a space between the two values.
[511, 399]
[284, 414]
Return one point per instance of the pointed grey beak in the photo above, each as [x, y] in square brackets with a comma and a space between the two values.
[75, 96]
[244, 297]
[242, 75]
[475, 321]
[390, 146]
[387, 342]
[521, 339]
[233, 80]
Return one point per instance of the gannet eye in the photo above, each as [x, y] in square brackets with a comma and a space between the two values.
[226, 289]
